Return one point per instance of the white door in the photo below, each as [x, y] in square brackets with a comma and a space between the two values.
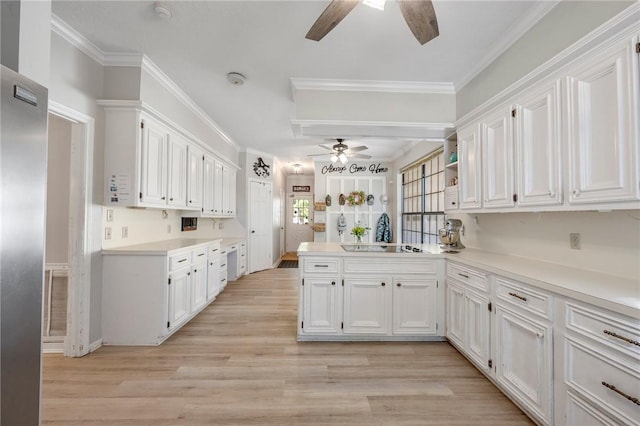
[260, 229]
[321, 312]
[178, 297]
[217, 189]
[196, 179]
[602, 136]
[299, 220]
[198, 285]
[153, 189]
[455, 313]
[177, 177]
[469, 177]
[367, 305]
[208, 186]
[213, 277]
[478, 320]
[497, 160]
[414, 306]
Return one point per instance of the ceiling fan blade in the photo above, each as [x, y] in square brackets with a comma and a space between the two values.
[421, 18]
[357, 148]
[319, 155]
[359, 156]
[326, 147]
[332, 15]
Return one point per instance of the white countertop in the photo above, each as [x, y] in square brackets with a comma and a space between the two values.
[160, 248]
[607, 291]
[226, 242]
[331, 249]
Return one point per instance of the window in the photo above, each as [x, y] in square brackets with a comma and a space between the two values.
[423, 200]
[300, 211]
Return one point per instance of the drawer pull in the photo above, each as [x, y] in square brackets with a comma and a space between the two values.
[617, 336]
[224, 264]
[399, 285]
[321, 266]
[463, 275]
[182, 260]
[201, 254]
[517, 296]
[618, 391]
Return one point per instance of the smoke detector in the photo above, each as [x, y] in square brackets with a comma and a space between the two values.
[162, 11]
[236, 78]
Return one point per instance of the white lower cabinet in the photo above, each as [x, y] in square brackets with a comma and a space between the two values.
[360, 298]
[598, 374]
[455, 313]
[477, 340]
[149, 293]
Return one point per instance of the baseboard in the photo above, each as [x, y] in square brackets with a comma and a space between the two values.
[53, 347]
[94, 346]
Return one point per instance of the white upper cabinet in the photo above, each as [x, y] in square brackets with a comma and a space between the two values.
[537, 137]
[602, 127]
[153, 179]
[217, 189]
[232, 192]
[469, 171]
[497, 159]
[177, 177]
[195, 179]
[208, 186]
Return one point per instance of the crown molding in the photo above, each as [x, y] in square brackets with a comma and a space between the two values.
[77, 40]
[371, 86]
[112, 59]
[618, 29]
[258, 153]
[513, 34]
[386, 129]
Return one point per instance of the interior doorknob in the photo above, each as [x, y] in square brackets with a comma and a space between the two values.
[253, 232]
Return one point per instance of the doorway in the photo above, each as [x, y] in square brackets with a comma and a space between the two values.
[68, 251]
[260, 226]
[299, 221]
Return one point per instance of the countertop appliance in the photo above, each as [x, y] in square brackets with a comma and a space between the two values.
[450, 235]
[23, 181]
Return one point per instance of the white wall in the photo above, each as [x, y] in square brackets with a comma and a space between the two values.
[35, 40]
[58, 175]
[610, 242]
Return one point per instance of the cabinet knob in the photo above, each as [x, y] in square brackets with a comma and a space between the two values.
[333, 283]
[383, 284]
[171, 199]
[399, 285]
[576, 192]
[552, 194]
[163, 198]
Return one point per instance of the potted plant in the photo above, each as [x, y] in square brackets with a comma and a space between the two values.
[359, 231]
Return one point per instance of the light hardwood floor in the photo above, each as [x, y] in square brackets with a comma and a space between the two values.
[238, 362]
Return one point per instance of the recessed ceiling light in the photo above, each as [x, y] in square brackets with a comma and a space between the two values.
[162, 11]
[236, 78]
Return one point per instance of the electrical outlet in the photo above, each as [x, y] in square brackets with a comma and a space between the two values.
[220, 225]
[574, 240]
[125, 232]
[109, 215]
[168, 228]
[107, 233]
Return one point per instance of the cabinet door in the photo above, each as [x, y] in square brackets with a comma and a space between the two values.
[232, 192]
[153, 179]
[198, 286]
[469, 176]
[455, 313]
[414, 306]
[603, 158]
[177, 176]
[179, 297]
[225, 192]
[217, 189]
[321, 305]
[497, 160]
[208, 186]
[367, 305]
[524, 361]
[213, 278]
[477, 340]
[538, 137]
[196, 177]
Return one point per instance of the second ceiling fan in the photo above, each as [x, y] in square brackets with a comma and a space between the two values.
[340, 152]
[419, 14]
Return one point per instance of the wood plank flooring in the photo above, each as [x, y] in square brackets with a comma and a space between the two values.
[238, 363]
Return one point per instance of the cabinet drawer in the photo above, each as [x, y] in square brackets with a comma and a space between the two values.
[223, 262]
[390, 266]
[613, 330]
[321, 265]
[606, 380]
[214, 250]
[469, 276]
[199, 255]
[178, 261]
[533, 301]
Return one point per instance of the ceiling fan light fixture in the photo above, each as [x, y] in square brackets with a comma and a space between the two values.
[376, 4]
[343, 158]
[334, 158]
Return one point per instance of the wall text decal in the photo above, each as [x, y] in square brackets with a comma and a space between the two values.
[354, 168]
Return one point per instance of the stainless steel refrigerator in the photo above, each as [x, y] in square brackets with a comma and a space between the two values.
[23, 152]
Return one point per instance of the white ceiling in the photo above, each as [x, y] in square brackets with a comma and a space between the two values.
[264, 40]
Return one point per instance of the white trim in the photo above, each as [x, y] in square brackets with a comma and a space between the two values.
[512, 35]
[80, 228]
[416, 125]
[112, 59]
[259, 153]
[372, 86]
[74, 38]
[94, 346]
[622, 26]
[401, 130]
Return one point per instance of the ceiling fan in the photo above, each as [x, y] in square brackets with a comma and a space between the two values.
[340, 152]
[419, 14]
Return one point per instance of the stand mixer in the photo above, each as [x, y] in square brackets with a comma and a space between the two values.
[450, 236]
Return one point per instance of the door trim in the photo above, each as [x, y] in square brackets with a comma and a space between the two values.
[80, 228]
